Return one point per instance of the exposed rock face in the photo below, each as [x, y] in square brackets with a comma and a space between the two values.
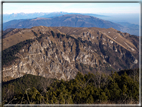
[53, 54]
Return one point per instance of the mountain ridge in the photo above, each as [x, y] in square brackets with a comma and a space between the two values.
[60, 52]
[8, 17]
[73, 20]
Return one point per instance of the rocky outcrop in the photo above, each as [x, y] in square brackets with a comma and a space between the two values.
[57, 55]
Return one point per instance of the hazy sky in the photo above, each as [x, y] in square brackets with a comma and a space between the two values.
[9, 8]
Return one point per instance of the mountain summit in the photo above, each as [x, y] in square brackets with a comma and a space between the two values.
[61, 52]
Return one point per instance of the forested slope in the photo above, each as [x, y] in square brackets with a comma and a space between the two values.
[84, 89]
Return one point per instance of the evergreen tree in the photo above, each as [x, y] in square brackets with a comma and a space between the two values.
[90, 100]
[103, 96]
[61, 99]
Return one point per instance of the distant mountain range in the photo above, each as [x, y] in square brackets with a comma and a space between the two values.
[14, 16]
[69, 20]
[126, 24]
[9, 17]
[55, 14]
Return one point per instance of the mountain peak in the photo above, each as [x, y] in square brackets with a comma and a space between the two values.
[61, 52]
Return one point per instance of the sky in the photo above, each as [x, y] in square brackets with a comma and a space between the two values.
[101, 8]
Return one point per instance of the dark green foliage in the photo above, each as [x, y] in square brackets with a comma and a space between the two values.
[58, 35]
[130, 72]
[53, 34]
[35, 33]
[77, 48]
[20, 85]
[40, 38]
[103, 96]
[62, 35]
[89, 43]
[81, 90]
[64, 44]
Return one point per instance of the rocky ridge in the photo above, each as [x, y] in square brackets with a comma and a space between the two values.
[60, 52]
